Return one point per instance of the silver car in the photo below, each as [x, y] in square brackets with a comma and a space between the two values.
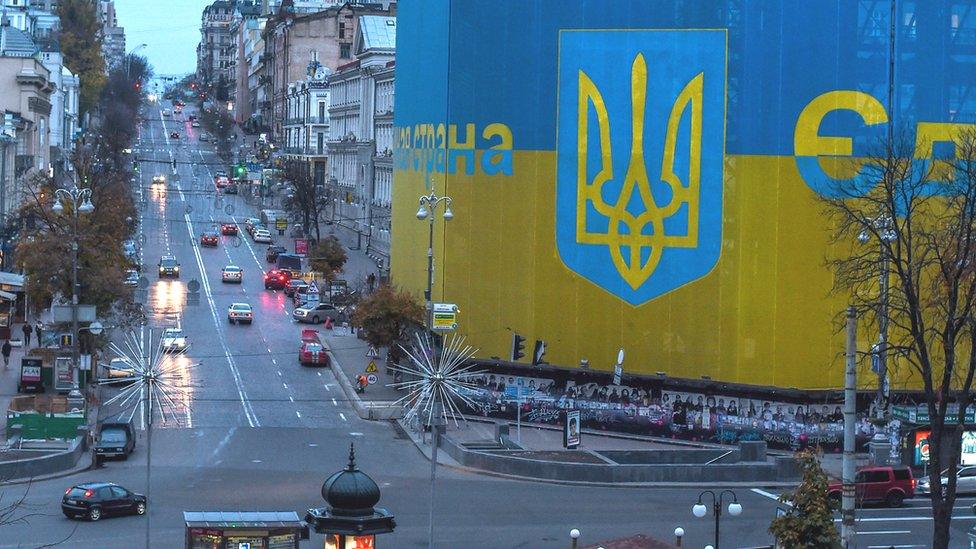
[965, 481]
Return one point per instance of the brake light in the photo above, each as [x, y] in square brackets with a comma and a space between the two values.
[89, 493]
[914, 483]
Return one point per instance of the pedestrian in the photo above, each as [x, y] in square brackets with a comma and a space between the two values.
[37, 330]
[370, 281]
[362, 383]
[27, 334]
[5, 351]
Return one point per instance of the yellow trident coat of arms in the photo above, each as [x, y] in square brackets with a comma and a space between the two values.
[639, 185]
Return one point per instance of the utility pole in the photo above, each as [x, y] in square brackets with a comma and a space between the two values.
[850, 396]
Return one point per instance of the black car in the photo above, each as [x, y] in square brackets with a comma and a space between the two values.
[231, 189]
[293, 286]
[169, 266]
[95, 500]
[115, 440]
[273, 252]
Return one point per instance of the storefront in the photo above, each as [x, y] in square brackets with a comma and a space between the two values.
[12, 302]
[244, 530]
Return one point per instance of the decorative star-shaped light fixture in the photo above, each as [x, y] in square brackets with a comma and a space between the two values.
[439, 382]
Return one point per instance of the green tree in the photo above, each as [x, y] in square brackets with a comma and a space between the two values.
[809, 521]
[385, 315]
[81, 46]
[328, 257]
[220, 124]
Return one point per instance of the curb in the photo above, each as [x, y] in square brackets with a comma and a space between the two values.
[369, 412]
[84, 464]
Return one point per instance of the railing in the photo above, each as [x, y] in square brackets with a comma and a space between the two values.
[317, 120]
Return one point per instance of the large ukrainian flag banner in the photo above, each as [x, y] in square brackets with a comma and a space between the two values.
[644, 174]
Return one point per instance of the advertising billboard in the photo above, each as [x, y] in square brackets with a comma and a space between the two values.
[647, 176]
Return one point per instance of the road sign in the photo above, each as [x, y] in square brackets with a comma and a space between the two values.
[371, 367]
[62, 313]
[313, 288]
[372, 352]
[281, 223]
[445, 317]
[193, 285]
[371, 379]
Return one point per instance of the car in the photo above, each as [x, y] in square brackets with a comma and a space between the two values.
[250, 223]
[293, 285]
[115, 440]
[232, 273]
[229, 229]
[262, 236]
[117, 368]
[167, 112]
[209, 238]
[204, 137]
[131, 277]
[965, 481]
[273, 252]
[94, 500]
[221, 180]
[231, 188]
[316, 312]
[169, 266]
[276, 280]
[159, 179]
[173, 340]
[130, 249]
[312, 352]
[877, 484]
[195, 124]
[240, 312]
[174, 135]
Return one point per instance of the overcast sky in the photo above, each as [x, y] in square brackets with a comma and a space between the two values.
[169, 28]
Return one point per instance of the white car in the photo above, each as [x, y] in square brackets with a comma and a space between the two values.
[263, 236]
[131, 278]
[166, 112]
[240, 312]
[232, 273]
[174, 340]
[195, 124]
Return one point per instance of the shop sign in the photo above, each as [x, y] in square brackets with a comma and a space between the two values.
[445, 317]
[62, 373]
[301, 246]
[920, 414]
[571, 429]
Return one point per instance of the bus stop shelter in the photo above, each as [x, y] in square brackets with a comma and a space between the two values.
[243, 530]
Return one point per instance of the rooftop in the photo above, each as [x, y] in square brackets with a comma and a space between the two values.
[15, 42]
[378, 32]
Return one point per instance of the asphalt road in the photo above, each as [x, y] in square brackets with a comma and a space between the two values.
[253, 430]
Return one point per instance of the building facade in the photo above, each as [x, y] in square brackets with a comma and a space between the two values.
[361, 128]
[113, 36]
[307, 123]
[216, 48]
[700, 252]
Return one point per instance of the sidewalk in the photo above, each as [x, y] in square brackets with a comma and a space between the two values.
[10, 376]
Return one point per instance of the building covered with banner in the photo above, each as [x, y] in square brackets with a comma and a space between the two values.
[644, 175]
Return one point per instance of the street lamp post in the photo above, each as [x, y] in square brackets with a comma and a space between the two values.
[80, 200]
[700, 510]
[428, 205]
[574, 535]
[885, 232]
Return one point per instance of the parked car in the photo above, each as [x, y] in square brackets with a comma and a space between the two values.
[131, 277]
[232, 273]
[293, 285]
[204, 137]
[174, 340]
[262, 236]
[174, 135]
[169, 266]
[228, 229]
[117, 368]
[315, 312]
[888, 485]
[209, 238]
[115, 440]
[94, 500]
[291, 262]
[249, 224]
[273, 252]
[276, 280]
[195, 124]
[167, 112]
[240, 312]
[130, 249]
[230, 188]
[159, 179]
[965, 481]
[312, 352]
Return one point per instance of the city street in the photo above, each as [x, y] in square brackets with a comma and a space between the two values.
[253, 430]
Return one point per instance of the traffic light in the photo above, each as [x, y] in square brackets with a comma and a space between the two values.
[135, 166]
[240, 171]
[539, 352]
[518, 347]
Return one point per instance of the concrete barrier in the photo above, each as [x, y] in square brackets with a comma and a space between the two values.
[365, 409]
[48, 464]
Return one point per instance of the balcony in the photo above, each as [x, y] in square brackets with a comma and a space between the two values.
[317, 120]
[293, 121]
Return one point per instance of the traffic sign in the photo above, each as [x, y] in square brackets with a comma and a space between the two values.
[371, 379]
[281, 223]
[372, 352]
[371, 367]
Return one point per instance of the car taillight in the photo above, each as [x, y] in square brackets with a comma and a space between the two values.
[89, 493]
[914, 483]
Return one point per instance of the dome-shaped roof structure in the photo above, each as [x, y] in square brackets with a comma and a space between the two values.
[351, 492]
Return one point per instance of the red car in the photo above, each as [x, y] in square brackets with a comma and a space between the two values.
[888, 485]
[228, 229]
[312, 352]
[209, 239]
[276, 280]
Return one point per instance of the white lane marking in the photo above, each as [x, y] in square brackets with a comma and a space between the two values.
[334, 403]
[319, 373]
[279, 373]
[252, 418]
[273, 361]
[893, 546]
[884, 532]
[769, 495]
[908, 519]
[343, 416]
[297, 413]
[224, 441]
[356, 434]
[291, 398]
[285, 385]
[328, 387]
[255, 461]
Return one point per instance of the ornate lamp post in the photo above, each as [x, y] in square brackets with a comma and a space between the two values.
[352, 515]
[428, 205]
[885, 233]
[80, 200]
[700, 510]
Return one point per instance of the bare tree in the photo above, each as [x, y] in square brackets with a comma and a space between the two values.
[921, 217]
[306, 198]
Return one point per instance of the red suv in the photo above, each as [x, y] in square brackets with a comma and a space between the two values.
[888, 485]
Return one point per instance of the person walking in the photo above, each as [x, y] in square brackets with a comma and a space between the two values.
[37, 330]
[27, 334]
[5, 351]
[370, 281]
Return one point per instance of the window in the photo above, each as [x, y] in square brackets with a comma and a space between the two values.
[871, 476]
[344, 51]
[342, 30]
[964, 473]
[119, 492]
[105, 493]
[905, 474]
